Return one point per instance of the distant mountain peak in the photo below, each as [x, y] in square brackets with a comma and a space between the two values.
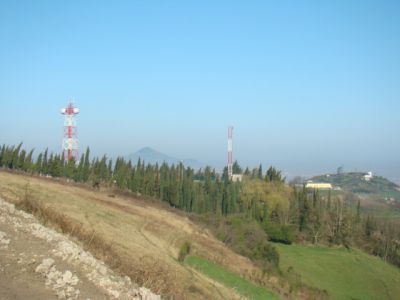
[152, 156]
[146, 149]
[149, 150]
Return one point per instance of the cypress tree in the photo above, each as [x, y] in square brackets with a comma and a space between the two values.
[44, 167]
[28, 163]
[15, 157]
[21, 160]
[358, 216]
[86, 166]
[260, 172]
[2, 152]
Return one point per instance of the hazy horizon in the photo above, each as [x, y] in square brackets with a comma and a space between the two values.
[307, 86]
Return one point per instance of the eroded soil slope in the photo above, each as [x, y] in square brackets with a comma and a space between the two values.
[38, 263]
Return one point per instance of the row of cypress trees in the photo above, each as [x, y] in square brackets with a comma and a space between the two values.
[201, 191]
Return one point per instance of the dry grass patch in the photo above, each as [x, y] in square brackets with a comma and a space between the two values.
[150, 273]
[140, 240]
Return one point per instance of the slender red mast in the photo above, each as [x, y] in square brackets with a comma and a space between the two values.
[70, 142]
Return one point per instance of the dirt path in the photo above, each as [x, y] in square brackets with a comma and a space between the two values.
[39, 263]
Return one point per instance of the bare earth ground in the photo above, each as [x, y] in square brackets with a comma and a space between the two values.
[146, 235]
[39, 263]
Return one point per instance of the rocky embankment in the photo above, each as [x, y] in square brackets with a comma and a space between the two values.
[38, 263]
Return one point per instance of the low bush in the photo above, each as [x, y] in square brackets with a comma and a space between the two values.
[266, 253]
[279, 233]
[246, 237]
[184, 251]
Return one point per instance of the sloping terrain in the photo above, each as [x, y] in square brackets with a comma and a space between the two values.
[344, 274]
[143, 236]
[244, 287]
[38, 263]
[146, 236]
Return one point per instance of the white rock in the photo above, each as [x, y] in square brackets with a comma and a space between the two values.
[103, 271]
[67, 276]
[45, 266]
[61, 294]
[114, 294]
[74, 280]
[146, 294]
[3, 241]
[127, 280]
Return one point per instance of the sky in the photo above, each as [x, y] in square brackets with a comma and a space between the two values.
[308, 85]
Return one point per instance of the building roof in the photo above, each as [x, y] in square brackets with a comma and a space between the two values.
[319, 186]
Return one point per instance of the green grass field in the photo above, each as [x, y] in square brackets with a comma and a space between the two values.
[229, 279]
[345, 274]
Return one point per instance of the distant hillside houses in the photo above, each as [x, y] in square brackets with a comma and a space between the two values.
[368, 176]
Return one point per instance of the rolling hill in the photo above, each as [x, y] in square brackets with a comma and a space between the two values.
[378, 195]
[151, 156]
[145, 238]
[138, 238]
[354, 182]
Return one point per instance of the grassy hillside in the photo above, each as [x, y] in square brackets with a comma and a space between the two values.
[146, 237]
[142, 238]
[232, 280]
[342, 273]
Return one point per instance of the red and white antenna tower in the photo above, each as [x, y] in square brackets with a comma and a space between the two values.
[230, 151]
[70, 141]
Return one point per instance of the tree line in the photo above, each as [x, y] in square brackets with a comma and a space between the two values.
[182, 187]
[286, 214]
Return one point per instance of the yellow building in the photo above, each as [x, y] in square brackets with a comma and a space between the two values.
[318, 186]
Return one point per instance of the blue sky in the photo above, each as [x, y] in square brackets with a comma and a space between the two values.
[308, 85]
